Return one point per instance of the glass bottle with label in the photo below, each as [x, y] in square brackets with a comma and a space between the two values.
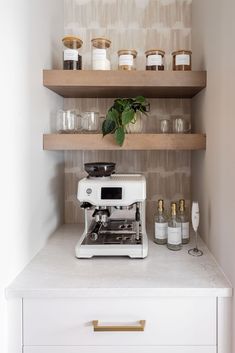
[161, 224]
[184, 222]
[174, 239]
[72, 59]
[100, 54]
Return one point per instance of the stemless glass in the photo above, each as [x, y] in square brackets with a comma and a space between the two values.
[68, 122]
[137, 125]
[90, 122]
[165, 126]
[181, 126]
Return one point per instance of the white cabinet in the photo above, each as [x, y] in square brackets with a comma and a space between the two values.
[170, 323]
[185, 302]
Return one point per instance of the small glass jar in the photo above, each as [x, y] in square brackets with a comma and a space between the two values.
[100, 54]
[181, 126]
[155, 59]
[137, 125]
[68, 122]
[72, 59]
[90, 122]
[182, 60]
[127, 59]
[165, 126]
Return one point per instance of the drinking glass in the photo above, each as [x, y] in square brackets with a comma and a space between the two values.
[165, 126]
[68, 121]
[90, 122]
[181, 126]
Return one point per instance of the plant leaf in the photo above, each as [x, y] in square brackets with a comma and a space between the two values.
[143, 110]
[120, 136]
[112, 114]
[108, 126]
[119, 105]
[127, 116]
[140, 99]
[120, 101]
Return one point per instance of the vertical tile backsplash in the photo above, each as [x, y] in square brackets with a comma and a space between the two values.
[142, 25]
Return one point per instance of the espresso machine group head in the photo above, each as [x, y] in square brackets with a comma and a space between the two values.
[114, 207]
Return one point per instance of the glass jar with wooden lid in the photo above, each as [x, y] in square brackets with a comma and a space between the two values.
[100, 54]
[72, 59]
[182, 60]
[127, 59]
[155, 59]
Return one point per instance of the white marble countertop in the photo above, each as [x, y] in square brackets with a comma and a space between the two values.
[55, 272]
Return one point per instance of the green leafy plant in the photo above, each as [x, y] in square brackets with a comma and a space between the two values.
[121, 114]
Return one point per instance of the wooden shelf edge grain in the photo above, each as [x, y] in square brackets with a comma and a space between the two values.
[110, 84]
[92, 142]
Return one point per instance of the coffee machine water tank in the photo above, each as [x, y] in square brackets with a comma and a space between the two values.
[116, 190]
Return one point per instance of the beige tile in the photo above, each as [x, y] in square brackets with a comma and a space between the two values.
[139, 24]
[172, 186]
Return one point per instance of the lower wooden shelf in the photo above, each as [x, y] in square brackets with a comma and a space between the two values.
[60, 142]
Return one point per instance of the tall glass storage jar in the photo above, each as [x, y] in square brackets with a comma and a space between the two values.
[100, 54]
[72, 59]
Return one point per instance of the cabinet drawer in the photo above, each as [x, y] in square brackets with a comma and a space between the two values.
[123, 349]
[169, 321]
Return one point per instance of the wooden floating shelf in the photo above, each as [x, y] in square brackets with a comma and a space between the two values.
[60, 142]
[110, 84]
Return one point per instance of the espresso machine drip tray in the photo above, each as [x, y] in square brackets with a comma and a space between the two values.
[120, 232]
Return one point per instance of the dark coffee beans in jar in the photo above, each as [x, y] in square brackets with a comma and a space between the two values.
[155, 59]
[182, 60]
[71, 58]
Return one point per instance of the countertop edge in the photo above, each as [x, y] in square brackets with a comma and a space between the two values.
[118, 292]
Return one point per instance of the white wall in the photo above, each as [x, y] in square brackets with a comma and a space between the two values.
[214, 112]
[31, 180]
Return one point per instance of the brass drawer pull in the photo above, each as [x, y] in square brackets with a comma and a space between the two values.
[139, 327]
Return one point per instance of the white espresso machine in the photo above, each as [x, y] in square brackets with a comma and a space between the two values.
[114, 206]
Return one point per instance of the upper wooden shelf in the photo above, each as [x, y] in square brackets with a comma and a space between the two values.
[60, 142]
[110, 84]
